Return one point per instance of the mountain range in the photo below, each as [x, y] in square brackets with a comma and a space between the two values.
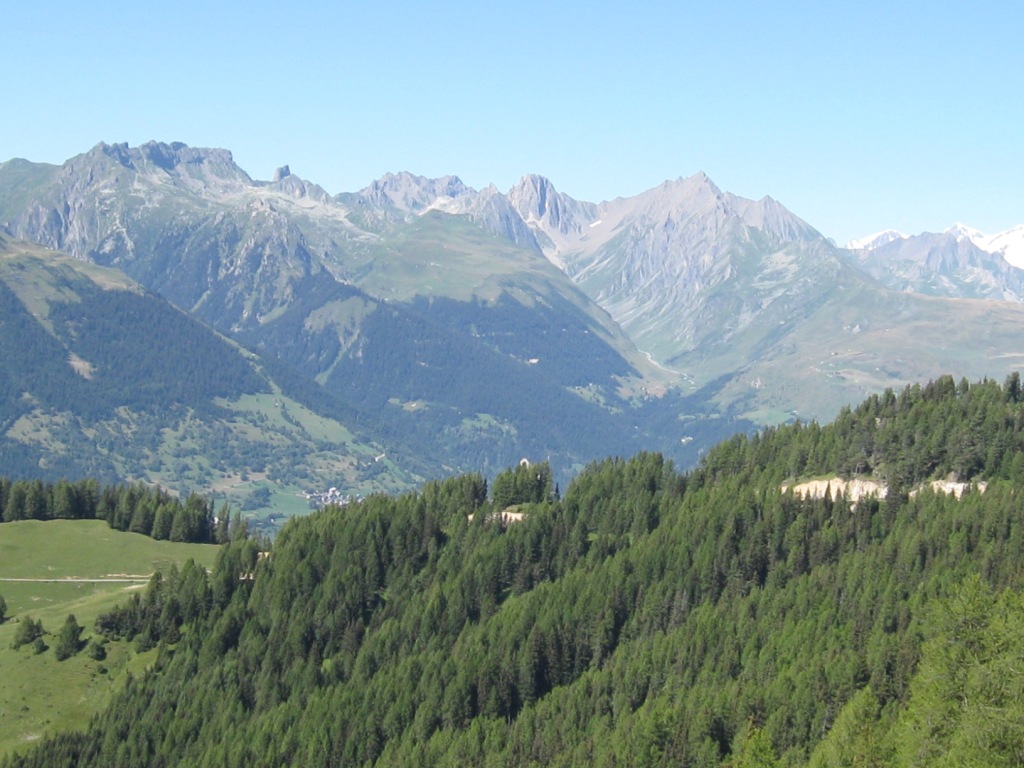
[451, 329]
[950, 263]
[1008, 244]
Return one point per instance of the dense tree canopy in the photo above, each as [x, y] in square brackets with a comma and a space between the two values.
[138, 508]
[648, 617]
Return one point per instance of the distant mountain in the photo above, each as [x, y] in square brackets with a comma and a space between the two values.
[465, 328]
[950, 264]
[874, 241]
[103, 378]
[659, 261]
[451, 336]
[1008, 244]
[758, 309]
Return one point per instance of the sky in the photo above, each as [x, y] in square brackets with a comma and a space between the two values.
[857, 116]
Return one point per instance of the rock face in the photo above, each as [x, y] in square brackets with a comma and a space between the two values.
[855, 489]
[405, 193]
[558, 221]
[852, 490]
[182, 221]
[679, 265]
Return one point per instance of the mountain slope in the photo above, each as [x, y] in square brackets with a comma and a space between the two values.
[761, 311]
[645, 618]
[103, 378]
[497, 345]
[652, 259]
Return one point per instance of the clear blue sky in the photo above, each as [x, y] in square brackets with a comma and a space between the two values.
[857, 116]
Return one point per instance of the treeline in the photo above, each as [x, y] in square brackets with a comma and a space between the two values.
[184, 597]
[645, 618]
[137, 508]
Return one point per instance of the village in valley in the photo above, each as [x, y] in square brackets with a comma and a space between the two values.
[335, 496]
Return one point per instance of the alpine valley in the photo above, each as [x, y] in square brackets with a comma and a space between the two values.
[165, 317]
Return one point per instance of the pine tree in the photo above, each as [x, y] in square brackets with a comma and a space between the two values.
[28, 630]
[69, 639]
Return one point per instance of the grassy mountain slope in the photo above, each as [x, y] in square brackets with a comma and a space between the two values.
[41, 695]
[808, 357]
[646, 618]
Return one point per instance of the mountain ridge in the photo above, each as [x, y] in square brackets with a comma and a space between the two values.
[425, 322]
[1009, 243]
[700, 290]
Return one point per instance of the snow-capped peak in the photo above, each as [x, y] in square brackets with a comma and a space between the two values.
[876, 240]
[963, 232]
[1009, 243]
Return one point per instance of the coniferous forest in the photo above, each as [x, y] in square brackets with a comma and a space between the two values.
[644, 617]
[136, 508]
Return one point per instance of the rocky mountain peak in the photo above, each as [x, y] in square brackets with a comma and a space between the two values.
[699, 180]
[536, 199]
[531, 193]
[950, 263]
[774, 219]
[175, 157]
[408, 193]
[287, 182]
[557, 220]
[676, 199]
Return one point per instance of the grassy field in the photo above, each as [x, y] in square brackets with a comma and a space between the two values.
[40, 694]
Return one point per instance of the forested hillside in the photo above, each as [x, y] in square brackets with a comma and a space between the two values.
[103, 379]
[646, 617]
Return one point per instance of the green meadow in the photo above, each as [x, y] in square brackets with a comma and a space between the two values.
[38, 694]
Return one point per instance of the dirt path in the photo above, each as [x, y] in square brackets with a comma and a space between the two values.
[83, 581]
